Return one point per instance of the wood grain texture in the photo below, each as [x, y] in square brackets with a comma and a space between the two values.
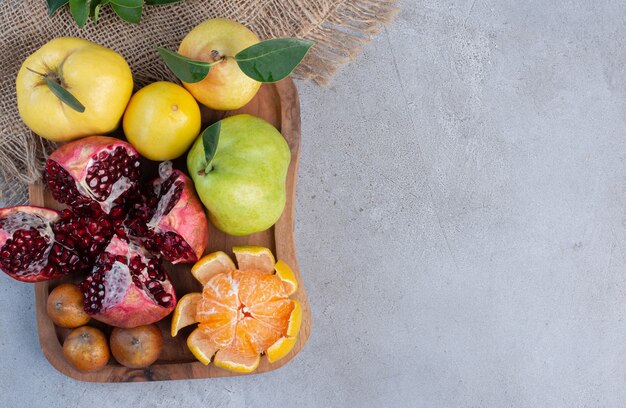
[278, 104]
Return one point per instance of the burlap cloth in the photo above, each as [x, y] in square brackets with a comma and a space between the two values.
[339, 28]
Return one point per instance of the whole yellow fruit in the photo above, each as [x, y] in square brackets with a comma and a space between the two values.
[226, 87]
[162, 120]
[98, 77]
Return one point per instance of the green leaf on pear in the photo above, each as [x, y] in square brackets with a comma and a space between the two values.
[80, 11]
[186, 69]
[272, 60]
[54, 5]
[64, 95]
[210, 139]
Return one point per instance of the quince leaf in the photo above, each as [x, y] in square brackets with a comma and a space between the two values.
[186, 69]
[272, 60]
[64, 95]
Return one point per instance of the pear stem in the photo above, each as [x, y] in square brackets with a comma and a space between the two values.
[216, 57]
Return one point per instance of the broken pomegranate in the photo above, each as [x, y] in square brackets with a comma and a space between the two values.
[128, 287]
[38, 244]
[94, 174]
[162, 218]
[111, 228]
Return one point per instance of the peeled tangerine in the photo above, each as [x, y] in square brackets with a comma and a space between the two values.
[241, 312]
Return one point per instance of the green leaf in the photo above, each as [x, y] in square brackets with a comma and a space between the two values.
[161, 2]
[186, 69]
[130, 14]
[54, 5]
[272, 60]
[64, 95]
[94, 9]
[80, 11]
[210, 139]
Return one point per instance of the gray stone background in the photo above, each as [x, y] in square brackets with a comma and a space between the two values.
[460, 225]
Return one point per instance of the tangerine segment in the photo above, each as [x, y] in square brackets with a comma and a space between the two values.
[256, 288]
[254, 257]
[281, 348]
[185, 313]
[275, 313]
[239, 356]
[222, 289]
[213, 315]
[260, 334]
[200, 346]
[284, 272]
[220, 337]
[210, 265]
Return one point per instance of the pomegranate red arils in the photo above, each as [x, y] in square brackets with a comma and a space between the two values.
[94, 173]
[171, 219]
[30, 248]
[128, 287]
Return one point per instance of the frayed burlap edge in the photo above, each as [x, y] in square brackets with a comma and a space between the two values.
[341, 35]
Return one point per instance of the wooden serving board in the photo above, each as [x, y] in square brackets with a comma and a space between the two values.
[277, 103]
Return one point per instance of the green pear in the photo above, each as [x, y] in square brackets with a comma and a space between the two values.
[243, 187]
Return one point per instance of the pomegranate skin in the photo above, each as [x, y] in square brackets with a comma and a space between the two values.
[186, 219]
[136, 310]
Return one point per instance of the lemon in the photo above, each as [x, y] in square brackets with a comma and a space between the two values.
[161, 121]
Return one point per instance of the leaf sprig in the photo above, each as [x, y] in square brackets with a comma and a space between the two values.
[82, 10]
[266, 61]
